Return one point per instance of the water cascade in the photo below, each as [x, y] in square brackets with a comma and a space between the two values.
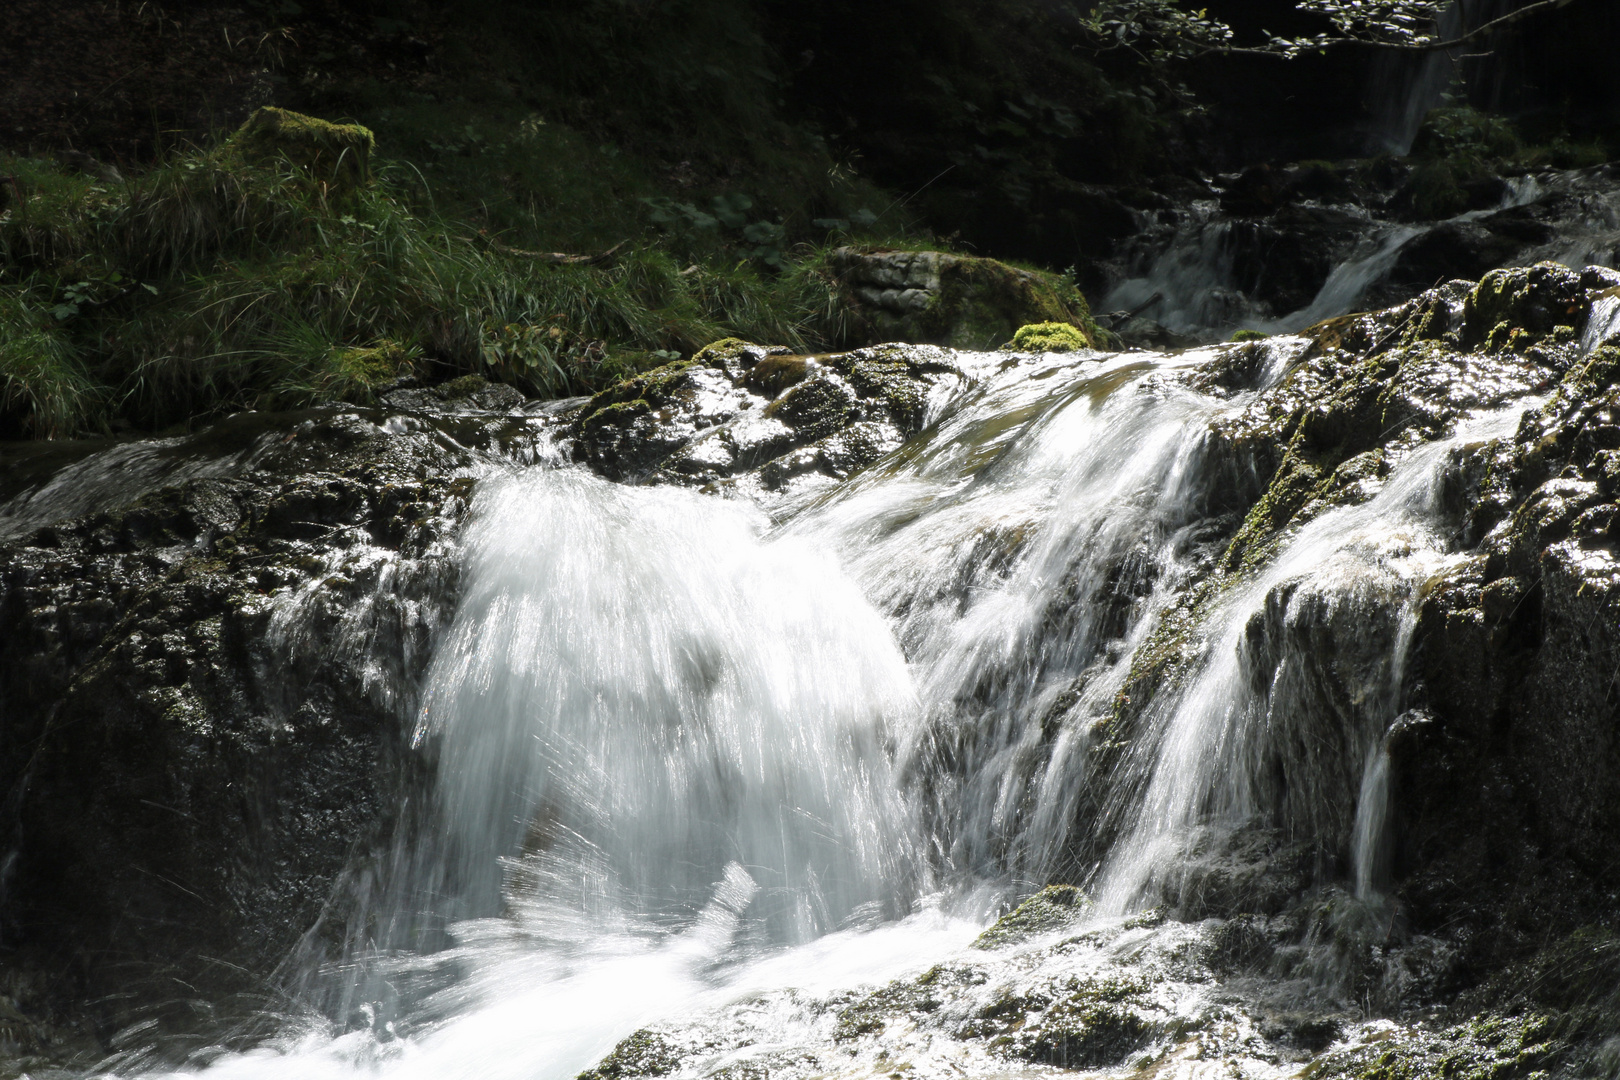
[696, 761]
[1189, 280]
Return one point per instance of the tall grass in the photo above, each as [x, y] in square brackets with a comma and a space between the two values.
[209, 285]
[44, 388]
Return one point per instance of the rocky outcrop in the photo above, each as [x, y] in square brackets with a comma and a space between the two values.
[202, 688]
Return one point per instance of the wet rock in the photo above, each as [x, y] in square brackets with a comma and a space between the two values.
[468, 394]
[1095, 1024]
[1460, 249]
[739, 413]
[1484, 1047]
[202, 692]
[1051, 909]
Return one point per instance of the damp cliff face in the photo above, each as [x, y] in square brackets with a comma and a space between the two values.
[1289, 662]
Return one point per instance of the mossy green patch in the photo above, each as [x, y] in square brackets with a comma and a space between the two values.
[1486, 1047]
[636, 395]
[1053, 908]
[1049, 337]
[1095, 1024]
[335, 154]
[983, 302]
[644, 1053]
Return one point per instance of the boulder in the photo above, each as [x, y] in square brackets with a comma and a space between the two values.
[939, 298]
[203, 691]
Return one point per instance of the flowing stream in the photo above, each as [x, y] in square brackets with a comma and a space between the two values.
[693, 757]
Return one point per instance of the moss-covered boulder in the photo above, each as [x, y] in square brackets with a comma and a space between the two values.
[1049, 910]
[939, 298]
[338, 155]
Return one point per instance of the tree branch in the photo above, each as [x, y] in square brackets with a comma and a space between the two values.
[1494, 25]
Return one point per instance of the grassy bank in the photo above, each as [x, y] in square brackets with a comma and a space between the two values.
[213, 282]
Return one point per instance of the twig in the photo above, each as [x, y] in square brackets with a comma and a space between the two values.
[557, 257]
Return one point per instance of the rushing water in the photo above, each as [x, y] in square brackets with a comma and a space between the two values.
[690, 756]
[1190, 285]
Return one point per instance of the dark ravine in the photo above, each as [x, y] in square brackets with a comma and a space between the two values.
[207, 689]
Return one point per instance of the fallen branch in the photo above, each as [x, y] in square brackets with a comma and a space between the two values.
[557, 257]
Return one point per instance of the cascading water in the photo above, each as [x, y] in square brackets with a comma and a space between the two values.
[1215, 752]
[634, 671]
[692, 759]
[1190, 286]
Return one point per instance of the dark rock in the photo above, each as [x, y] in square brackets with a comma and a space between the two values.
[203, 693]
[1454, 249]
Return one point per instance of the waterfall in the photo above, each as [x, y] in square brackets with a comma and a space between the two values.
[635, 672]
[1253, 738]
[688, 755]
[1405, 87]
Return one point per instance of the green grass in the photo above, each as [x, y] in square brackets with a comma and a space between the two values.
[209, 285]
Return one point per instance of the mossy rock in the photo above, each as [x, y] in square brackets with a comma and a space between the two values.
[1053, 908]
[983, 302]
[1486, 1047]
[635, 395]
[1248, 335]
[644, 1053]
[1099, 1024]
[338, 155]
[1048, 337]
[1514, 307]
[959, 301]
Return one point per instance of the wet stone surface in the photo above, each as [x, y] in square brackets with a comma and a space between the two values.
[201, 690]
[753, 420]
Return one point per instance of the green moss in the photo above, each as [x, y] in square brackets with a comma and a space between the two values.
[1053, 908]
[983, 302]
[1596, 373]
[1049, 337]
[1248, 335]
[338, 155]
[634, 396]
[645, 1053]
[889, 376]
[719, 353]
[1486, 1047]
[1097, 1023]
[1291, 488]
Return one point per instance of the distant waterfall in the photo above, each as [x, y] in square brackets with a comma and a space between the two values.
[1405, 86]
